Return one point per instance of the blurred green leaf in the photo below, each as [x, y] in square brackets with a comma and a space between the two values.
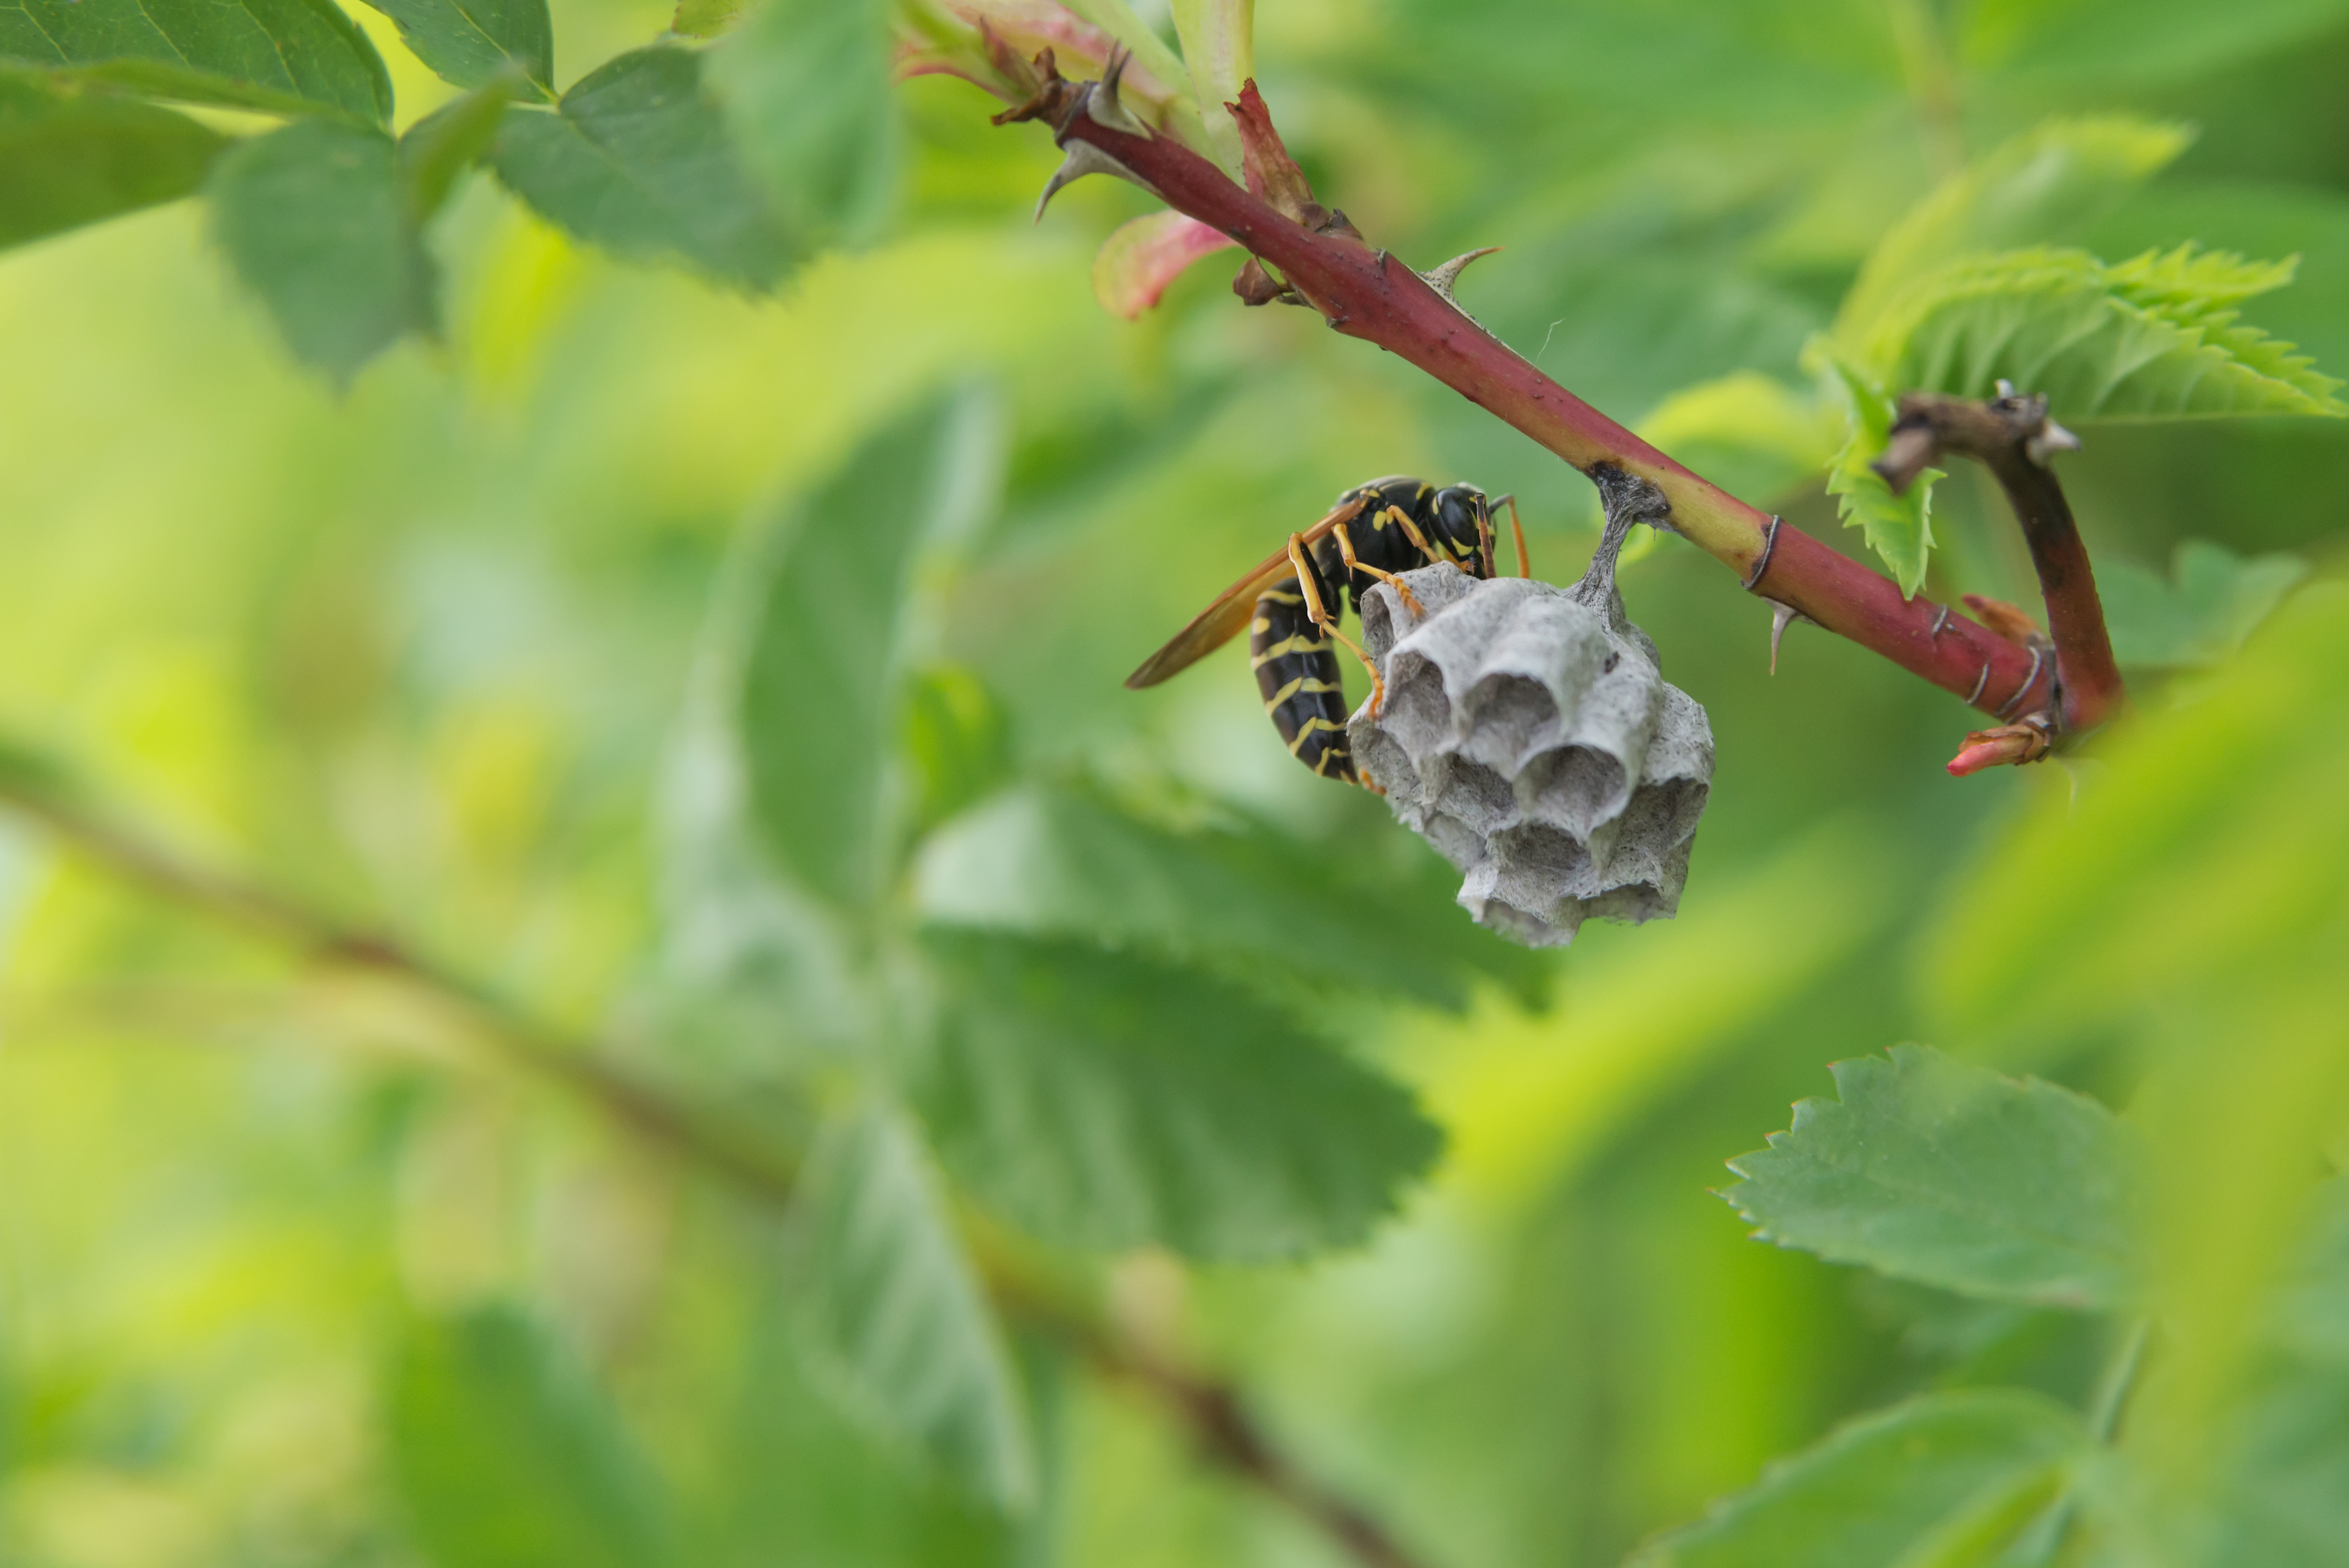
[957, 742]
[2152, 338]
[2047, 184]
[1218, 39]
[1898, 528]
[1945, 1482]
[2201, 612]
[1119, 20]
[1046, 862]
[1932, 1169]
[437, 149]
[1754, 436]
[805, 87]
[797, 1482]
[636, 159]
[2280, 1501]
[705, 18]
[302, 52]
[2313, 1310]
[820, 687]
[316, 221]
[1103, 1100]
[69, 156]
[473, 42]
[895, 1316]
[2131, 40]
[2201, 858]
[506, 1457]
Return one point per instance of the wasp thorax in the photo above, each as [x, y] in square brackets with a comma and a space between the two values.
[1529, 734]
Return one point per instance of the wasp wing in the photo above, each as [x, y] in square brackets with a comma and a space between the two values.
[1224, 619]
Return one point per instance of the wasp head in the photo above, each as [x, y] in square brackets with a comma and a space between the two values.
[1463, 519]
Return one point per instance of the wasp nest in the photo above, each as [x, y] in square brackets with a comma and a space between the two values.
[1529, 734]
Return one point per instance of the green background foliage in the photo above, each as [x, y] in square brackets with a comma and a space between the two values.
[628, 498]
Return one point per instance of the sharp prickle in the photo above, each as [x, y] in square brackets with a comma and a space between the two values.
[1103, 106]
[1781, 618]
[2050, 440]
[1442, 278]
[1082, 158]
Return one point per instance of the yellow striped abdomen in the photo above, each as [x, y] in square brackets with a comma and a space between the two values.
[1297, 673]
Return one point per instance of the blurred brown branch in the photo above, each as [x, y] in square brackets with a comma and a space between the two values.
[1212, 1412]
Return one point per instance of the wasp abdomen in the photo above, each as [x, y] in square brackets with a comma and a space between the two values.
[1297, 671]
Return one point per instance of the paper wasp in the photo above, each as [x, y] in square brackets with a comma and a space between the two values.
[1291, 604]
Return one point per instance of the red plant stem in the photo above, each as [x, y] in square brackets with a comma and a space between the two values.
[2087, 677]
[2012, 437]
[1370, 294]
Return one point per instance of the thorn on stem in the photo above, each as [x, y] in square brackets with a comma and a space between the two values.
[1442, 277]
[1103, 105]
[1781, 618]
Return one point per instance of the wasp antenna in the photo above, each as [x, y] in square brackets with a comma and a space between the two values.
[1103, 105]
[1442, 278]
[1083, 158]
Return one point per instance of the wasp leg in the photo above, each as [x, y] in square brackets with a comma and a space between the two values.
[1518, 527]
[1402, 588]
[1319, 615]
[1486, 556]
[1402, 519]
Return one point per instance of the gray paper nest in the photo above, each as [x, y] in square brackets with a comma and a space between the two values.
[1529, 736]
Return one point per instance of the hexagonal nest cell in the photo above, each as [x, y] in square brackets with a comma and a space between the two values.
[1529, 734]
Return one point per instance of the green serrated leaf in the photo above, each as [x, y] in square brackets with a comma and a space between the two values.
[2044, 185]
[473, 42]
[1898, 528]
[1057, 862]
[303, 53]
[314, 220]
[636, 159]
[2102, 343]
[2212, 599]
[821, 682]
[2186, 281]
[1948, 1480]
[69, 156]
[505, 1456]
[437, 149]
[1932, 1169]
[1104, 1100]
[895, 1319]
[805, 86]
